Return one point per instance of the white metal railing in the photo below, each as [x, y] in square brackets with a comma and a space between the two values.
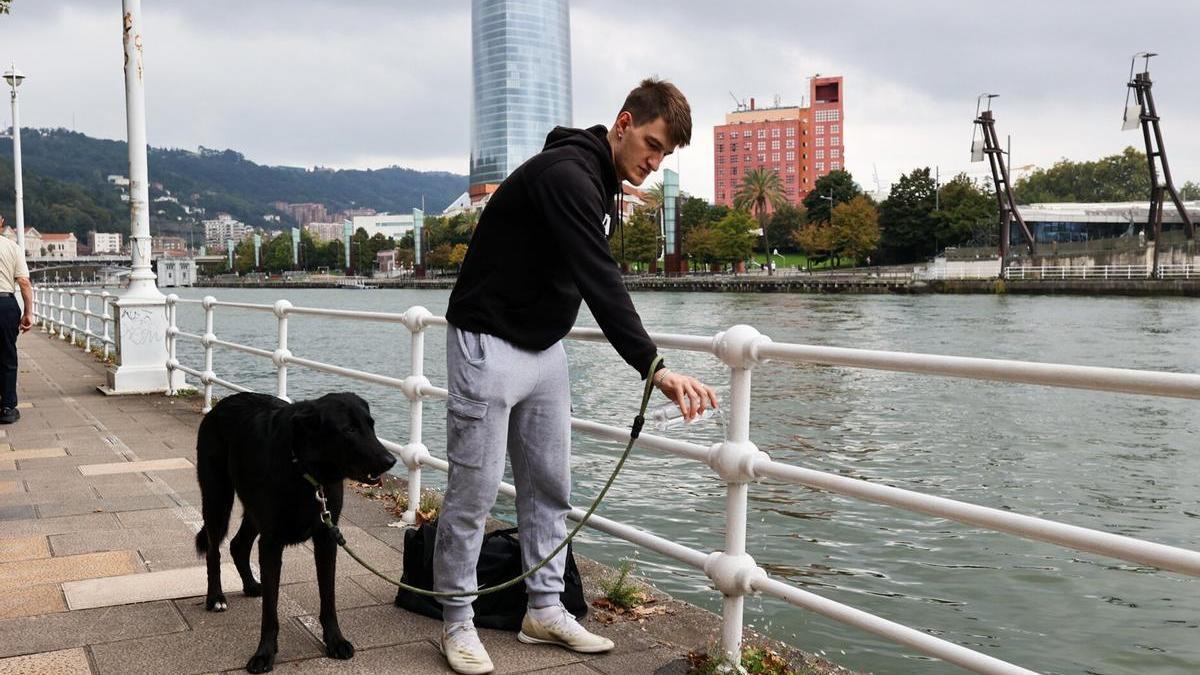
[1077, 272]
[1180, 271]
[736, 460]
[59, 312]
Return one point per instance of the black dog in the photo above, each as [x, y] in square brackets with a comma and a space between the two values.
[264, 449]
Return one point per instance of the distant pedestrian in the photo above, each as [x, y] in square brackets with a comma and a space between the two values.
[13, 273]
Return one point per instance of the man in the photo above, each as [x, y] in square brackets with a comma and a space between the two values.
[539, 248]
[13, 272]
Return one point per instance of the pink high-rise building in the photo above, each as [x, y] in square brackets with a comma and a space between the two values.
[801, 144]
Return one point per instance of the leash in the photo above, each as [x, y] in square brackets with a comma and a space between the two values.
[634, 432]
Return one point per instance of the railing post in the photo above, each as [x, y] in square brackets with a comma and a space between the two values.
[105, 319]
[733, 571]
[87, 321]
[415, 451]
[207, 341]
[62, 314]
[279, 358]
[172, 332]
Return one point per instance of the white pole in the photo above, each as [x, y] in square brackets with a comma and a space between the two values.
[415, 424]
[20, 200]
[141, 313]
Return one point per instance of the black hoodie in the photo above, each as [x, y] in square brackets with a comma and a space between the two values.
[540, 246]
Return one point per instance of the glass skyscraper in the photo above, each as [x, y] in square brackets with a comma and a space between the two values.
[520, 81]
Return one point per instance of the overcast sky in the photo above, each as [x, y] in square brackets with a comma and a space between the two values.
[372, 83]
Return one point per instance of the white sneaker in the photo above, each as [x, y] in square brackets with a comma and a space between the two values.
[463, 650]
[556, 626]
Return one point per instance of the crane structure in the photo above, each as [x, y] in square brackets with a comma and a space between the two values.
[989, 146]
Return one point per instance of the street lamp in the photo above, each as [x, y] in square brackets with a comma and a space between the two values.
[14, 78]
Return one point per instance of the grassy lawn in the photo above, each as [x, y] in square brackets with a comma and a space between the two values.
[792, 260]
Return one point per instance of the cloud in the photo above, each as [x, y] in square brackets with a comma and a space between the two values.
[310, 82]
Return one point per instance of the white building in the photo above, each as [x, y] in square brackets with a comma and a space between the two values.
[176, 271]
[106, 242]
[223, 227]
[326, 232]
[59, 245]
[33, 240]
[387, 224]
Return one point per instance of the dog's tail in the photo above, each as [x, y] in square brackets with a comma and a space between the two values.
[202, 542]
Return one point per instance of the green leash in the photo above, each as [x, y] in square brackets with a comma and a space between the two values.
[634, 432]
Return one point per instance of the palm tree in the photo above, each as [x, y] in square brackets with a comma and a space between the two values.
[654, 197]
[759, 188]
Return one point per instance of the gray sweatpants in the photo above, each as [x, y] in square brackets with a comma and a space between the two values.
[503, 396]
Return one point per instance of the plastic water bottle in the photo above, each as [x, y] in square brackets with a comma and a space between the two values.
[668, 416]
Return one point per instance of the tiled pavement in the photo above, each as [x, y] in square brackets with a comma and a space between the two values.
[98, 508]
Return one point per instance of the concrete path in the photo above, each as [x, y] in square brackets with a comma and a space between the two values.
[98, 509]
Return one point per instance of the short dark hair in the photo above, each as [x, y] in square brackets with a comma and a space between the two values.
[655, 98]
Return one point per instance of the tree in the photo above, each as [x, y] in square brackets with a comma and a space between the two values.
[1190, 191]
[457, 254]
[1116, 178]
[640, 239]
[843, 188]
[654, 197]
[694, 212]
[904, 217]
[760, 189]
[816, 240]
[439, 257]
[786, 220]
[734, 236]
[854, 229]
[701, 245]
[964, 206]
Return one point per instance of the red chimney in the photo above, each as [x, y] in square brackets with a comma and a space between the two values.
[752, 103]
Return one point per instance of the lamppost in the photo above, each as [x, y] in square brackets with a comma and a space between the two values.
[14, 78]
[829, 198]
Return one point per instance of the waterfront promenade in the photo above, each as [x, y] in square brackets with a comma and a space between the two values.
[98, 509]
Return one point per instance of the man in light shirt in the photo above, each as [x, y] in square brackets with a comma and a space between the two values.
[13, 321]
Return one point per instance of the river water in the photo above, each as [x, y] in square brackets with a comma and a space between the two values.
[1119, 463]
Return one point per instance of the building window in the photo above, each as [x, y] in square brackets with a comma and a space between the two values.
[791, 168]
[791, 179]
[775, 132]
[791, 156]
[747, 157]
[820, 142]
[720, 135]
[762, 157]
[774, 156]
[835, 140]
[762, 145]
[774, 145]
[827, 116]
[820, 154]
[833, 128]
[747, 145]
[820, 129]
[746, 134]
[720, 147]
[791, 131]
[762, 133]
[835, 165]
[835, 153]
[820, 167]
[791, 143]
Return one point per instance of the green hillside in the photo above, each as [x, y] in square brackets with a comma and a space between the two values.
[66, 188]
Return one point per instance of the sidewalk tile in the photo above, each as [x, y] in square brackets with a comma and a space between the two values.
[418, 658]
[61, 662]
[31, 601]
[34, 453]
[199, 651]
[92, 522]
[93, 505]
[23, 548]
[17, 512]
[69, 568]
[140, 587]
[135, 467]
[31, 634]
[380, 626]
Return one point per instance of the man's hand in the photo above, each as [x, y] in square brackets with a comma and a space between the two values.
[691, 395]
[26, 322]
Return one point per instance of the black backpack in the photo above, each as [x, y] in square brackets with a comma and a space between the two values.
[499, 561]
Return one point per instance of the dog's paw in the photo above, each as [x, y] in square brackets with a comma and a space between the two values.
[216, 603]
[260, 663]
[252, 590]
[339, 648]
